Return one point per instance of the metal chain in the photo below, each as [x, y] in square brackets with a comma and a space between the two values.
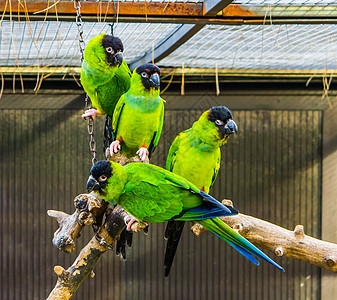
[92, 142]
[90, 121]
[79, 23]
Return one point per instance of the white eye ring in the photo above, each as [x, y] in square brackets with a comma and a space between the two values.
[219, 122]
[109, 50]
[102, 178]
[144, 74]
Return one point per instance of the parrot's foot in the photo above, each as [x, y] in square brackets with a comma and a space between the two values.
[130, 222]
[143, 153]
[115, 147]
[90, 113]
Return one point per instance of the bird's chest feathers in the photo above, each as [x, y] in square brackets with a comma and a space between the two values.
[143, 104]
[142, 118]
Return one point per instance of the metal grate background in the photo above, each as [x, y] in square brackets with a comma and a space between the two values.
[271, 170]
[289, 47]
[52, 43]
[259, 47]
[290, 8]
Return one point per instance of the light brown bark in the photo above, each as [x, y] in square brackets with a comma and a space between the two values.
[69, 280]
[282, 242]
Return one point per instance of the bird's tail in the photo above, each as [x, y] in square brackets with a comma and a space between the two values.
[238, 242]
[173, 232]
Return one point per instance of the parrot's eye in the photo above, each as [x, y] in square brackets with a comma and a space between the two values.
[109, 50]
[144, 74]
[219, 122]
[102, 178]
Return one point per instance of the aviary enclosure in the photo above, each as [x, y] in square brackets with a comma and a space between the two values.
[271, 63]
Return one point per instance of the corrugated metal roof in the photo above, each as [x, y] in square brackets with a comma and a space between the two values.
[52, 43]
[248, 47]
[291, 8]
[289, 47]
[259, 47]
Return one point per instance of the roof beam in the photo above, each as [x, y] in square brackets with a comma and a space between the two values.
[180, 36]
[99, 9]
[178, 12]
[212, 7]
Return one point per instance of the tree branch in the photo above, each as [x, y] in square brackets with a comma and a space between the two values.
[282, 242]
[90, 210]
[69, 280]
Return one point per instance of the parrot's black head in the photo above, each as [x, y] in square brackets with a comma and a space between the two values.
[223, 120]
[99, 175]
[113, 49]
[150, 75]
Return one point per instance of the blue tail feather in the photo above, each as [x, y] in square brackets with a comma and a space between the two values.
[237, 241]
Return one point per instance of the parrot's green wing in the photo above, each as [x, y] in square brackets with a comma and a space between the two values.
[157, 134]
[123, 74]
[216, 167]
[116, 115]
[153, 194]
[110, 93]
[174, 150]
[156, 175]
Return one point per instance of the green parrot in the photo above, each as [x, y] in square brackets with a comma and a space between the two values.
[195, 155]
[139, 114]
[105, 76]
[152, 194]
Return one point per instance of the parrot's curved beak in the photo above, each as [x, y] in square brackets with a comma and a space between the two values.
[155, 81]
[118, 58]
[92, 184]
[231, 127]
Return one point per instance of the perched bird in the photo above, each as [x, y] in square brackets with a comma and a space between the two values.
[195, 155]
[138, 117]
[152, 194]
[105, 76]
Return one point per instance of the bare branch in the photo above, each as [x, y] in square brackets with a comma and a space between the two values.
[69, 280]
[89, 210]
[282, 242]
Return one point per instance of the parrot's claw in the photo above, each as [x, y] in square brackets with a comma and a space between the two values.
[115, 147]
[90, 113]
[143, 153]
[130, 222]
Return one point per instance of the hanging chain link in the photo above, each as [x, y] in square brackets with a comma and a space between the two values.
[92, 142]
[79, 23]
[90, 121]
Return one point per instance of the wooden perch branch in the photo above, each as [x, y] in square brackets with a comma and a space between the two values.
[90, 210]
[282, 242]
[69, 280]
